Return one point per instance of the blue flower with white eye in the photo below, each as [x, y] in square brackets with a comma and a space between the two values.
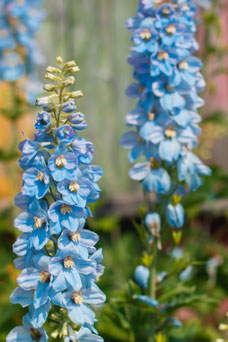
[172, 33]
[62, 214]
[153, 179]
[164, 15]
[161, 63]
[65, 134]
[142, 275]
[43, 120]
[77, 302]
[34, 224]
[83, 335]
[77, 121]
[36, 180]
[37, 278]
[175, 215]
[145, 39]
[66, 267]
[185, 72]
[81, 241]
[62, 163]
[75, 191]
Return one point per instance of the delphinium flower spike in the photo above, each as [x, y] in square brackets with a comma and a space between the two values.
[163, 128]
[19, 51]
[57, 256]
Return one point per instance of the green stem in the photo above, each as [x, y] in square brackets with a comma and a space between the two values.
[153, 287]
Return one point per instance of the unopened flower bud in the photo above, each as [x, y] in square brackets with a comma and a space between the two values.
[70, 64]
[59, 59]
[50, 77]
[76, 94]
[73, 70]
[52, 69]
[42, 101]
[69, 81]
[49, 87]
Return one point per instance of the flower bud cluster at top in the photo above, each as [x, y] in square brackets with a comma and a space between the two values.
[57, 255]
[164, 124]
[19, 51]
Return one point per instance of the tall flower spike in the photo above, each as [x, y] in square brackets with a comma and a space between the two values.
[19, 51]
[164, 125]
[57, 255]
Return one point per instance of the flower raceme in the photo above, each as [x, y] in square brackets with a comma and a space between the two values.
[56, 255]
[164, 124]
[19, 51]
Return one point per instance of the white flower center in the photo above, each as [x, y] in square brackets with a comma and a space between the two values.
[74, 186]
[77, 297]
[65, 209]
[60, 161]
[68, 262]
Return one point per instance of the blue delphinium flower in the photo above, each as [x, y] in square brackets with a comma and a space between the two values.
[167, 81]
[19, 52]
[57, 256]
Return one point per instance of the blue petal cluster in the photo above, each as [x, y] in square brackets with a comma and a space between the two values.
[19, 51]
[56, 254]
[167, 79]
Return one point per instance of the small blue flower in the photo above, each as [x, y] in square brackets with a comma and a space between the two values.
[80, 241]
[65, 134]
[153, 222]
[69, 107]
[34, 224]
[62, 214]
[77, 121]
[43, 120]
[83, 150]
[175, 215]
[142, 275]
[77, 302]
[38, 279]
[75, 191]
[66, 267]
[36, 180]
[62, 163]
[153, 179]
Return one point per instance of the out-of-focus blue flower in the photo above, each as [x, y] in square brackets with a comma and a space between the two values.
[175, 215]
[19, 52]
[153, 179]
[83, 335]
[142, 275]
[147, 300]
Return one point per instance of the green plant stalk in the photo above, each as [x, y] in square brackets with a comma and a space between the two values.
[152, 285]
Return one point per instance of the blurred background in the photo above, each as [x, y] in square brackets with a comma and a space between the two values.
[93, 33]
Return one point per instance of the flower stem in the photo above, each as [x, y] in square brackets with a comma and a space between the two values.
[152, 286]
